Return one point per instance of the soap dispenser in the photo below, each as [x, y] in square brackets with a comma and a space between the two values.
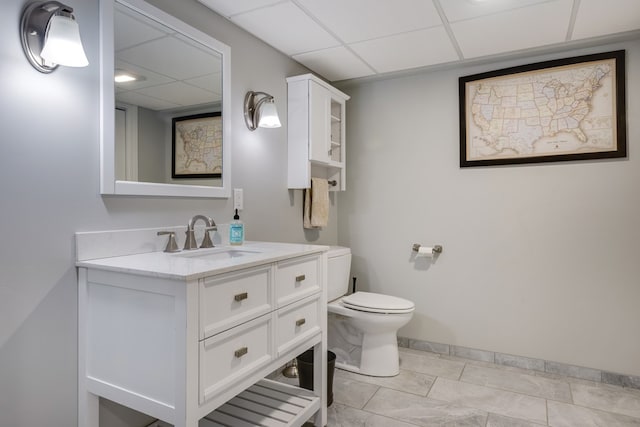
[236, 230]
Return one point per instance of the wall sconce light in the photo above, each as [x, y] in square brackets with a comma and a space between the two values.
[260, 112]
[50, 36]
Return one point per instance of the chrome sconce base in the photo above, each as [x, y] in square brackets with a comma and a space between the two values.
[33, 27]
[50, 36]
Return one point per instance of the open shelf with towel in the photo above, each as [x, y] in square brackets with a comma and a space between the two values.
[316, 132]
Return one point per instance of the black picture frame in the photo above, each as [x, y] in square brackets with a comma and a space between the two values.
[473, 110]
[196, 146]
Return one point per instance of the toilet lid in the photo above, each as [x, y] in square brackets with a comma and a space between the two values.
[377, 303]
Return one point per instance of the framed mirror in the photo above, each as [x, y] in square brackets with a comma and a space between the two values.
[164, 126]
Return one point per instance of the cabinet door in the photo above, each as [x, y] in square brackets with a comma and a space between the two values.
[319, 123]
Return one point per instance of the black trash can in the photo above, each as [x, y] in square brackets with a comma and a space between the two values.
[305, 372]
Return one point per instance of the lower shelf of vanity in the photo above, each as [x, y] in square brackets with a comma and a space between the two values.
[266, 403]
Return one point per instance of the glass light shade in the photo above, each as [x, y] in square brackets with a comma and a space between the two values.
[62, 43]
[269, 116]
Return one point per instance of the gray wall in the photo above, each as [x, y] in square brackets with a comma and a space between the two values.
[539, 260]
[49, 187]
[152, 147]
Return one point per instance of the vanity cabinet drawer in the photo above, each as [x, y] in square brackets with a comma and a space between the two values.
[297, 322]
[296, 279]
[231, 299]
[234, 354]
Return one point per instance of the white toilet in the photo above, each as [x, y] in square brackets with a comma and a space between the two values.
[362, 326]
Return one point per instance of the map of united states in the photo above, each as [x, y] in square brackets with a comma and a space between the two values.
[199, 149]
[566, 110]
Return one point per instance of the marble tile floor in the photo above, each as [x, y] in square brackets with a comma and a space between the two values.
[441, 390]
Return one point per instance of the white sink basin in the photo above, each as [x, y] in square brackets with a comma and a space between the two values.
[216, 254]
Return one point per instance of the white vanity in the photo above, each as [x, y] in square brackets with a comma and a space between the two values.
[178, 335]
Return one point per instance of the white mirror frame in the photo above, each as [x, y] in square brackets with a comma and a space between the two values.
[108, 184]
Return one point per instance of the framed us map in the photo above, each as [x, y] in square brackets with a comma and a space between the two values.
[560, 110]
[197, 146]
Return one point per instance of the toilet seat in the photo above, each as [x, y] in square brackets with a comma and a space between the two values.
[378, 303]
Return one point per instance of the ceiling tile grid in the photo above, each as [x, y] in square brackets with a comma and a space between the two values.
[142, 46]
[228, 8]
[512, 30]
[348, 39]
[600, 18]
[337, 63]
[407, 50]
[459, 10]
[357, 20]
[131, 33]
[286, 27]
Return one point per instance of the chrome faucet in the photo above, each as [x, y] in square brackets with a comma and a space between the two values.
[190, 241]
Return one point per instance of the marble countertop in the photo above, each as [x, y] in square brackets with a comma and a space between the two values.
[197, 263]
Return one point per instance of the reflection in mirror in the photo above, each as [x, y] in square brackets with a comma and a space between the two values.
[166, 73]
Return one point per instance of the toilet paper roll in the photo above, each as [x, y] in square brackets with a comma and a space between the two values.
[425, 251]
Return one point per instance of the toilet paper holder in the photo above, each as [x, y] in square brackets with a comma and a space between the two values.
[437, 249]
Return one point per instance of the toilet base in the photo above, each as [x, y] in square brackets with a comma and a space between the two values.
[380, 356]
[371, 370]
[360, 350]
[381, 365]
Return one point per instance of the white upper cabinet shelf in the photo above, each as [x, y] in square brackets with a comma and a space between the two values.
[316, 132]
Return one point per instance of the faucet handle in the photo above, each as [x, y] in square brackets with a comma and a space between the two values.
[206, 240]
[190, 240]
[172, 246]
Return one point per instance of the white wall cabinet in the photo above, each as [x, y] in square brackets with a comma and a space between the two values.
[178, 347]
[316, 132]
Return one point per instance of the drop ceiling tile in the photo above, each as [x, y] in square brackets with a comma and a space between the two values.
[179, 93]
[528, 27]
[140, 100]
[232, 7]
[285, 27]
[132, 28]
[409, 50]
[334, 64]
[458, 10]
[597, 18]
[186, 61]
[211, 82]
[358, 20]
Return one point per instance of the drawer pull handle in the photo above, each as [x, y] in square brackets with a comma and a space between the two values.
[241, 352]
[301, 322]
[300, 278]
[241, 296]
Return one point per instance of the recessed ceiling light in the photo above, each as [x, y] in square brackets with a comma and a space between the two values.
[122, 76]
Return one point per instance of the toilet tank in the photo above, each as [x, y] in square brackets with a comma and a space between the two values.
[339, 268]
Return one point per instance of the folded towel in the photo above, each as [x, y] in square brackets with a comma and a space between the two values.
[316, 204]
